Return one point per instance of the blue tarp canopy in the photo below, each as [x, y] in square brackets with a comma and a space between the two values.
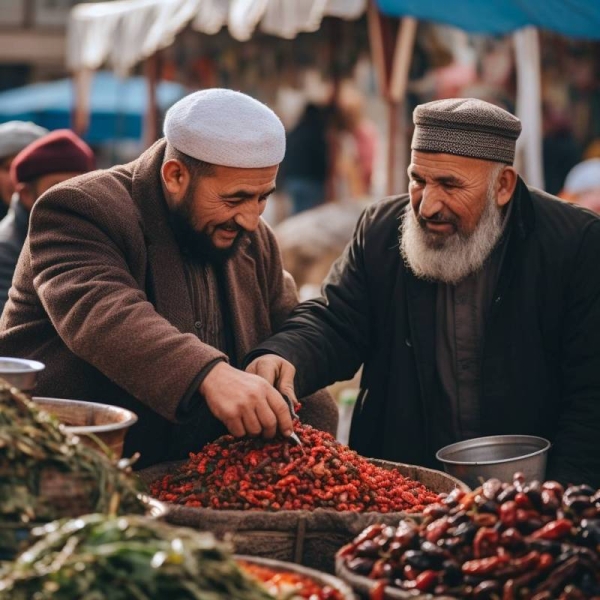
[574, 18]
[117, 106]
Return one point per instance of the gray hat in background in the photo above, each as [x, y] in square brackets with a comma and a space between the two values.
[16, 135]
[466, 127]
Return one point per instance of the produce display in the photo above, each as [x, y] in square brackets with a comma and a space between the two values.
[33, 445]
[257, 474]
[291, 586]
[501, 541]
[126, 558]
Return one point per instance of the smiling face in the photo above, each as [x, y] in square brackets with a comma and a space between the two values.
[214, 211]
[455, 217]
[448, 193]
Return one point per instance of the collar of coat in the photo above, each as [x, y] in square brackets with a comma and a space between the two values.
[168, 288]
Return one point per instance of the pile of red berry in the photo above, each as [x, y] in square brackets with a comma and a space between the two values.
[252, 473]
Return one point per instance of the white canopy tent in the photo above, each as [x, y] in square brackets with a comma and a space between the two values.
[122, 33]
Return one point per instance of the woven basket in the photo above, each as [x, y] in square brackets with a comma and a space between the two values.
[66, 494]
[310, 538]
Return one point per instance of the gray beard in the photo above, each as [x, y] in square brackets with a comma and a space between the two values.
[456, 257]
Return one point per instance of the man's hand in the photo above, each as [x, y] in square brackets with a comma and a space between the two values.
[245, 403]
[277, 371]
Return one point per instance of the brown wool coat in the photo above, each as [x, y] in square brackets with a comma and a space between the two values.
[100, 297]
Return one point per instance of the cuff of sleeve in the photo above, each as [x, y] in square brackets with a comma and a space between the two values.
[256, 353]
[192, 397]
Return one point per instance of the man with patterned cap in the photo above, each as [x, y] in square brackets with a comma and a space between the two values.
[473, 302]
[49, 160]
[14, 136]
[145, 285]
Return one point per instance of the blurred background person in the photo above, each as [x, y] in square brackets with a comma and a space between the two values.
[561, 150]
[14, 136]
[51, 159]
[582, 185]
[304, 171]
[353, 145]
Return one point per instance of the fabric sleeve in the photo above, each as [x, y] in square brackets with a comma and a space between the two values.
[319, 408]
[9, 256]
[575, 455]
[326, 338]
[81, 275]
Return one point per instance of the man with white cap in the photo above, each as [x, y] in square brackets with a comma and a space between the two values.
[582, 185]
[144, 285]
[14, 136]
[473, 302]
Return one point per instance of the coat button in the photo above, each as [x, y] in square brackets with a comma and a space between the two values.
[408, 342]
[198, 324]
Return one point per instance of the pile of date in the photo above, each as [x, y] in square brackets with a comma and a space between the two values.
[525, 540]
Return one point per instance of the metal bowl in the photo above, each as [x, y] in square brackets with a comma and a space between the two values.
[106, 422]
[499, 456]
[20, 372]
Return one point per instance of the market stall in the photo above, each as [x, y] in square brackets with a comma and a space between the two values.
[122, 34]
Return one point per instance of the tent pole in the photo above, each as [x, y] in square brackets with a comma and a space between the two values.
[405, 43]
[529, 105]
[392, 51]
[377, 46]
[80, 115]
[403, 53]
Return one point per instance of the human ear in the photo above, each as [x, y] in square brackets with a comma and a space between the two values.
[27, 195]
[507, 181]
[176, 178]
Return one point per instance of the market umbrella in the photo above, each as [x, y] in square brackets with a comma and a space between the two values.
[117, 106]
[573, 18]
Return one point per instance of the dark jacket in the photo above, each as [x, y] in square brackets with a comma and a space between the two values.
[13, 231]
[541, 353]
[100, 297]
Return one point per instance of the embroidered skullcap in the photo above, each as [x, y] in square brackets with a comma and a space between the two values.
[15, 135]
[58, 152]
[226, 128]
[466, 127]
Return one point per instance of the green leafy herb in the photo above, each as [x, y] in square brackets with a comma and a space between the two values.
[96, 557]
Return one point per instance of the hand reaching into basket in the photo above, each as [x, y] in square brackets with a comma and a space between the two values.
[277, 371]
[247, 404]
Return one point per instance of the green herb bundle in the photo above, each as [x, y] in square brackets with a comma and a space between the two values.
[35, 447]
[126, 558]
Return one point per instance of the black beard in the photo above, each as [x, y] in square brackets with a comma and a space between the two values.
[196, 245]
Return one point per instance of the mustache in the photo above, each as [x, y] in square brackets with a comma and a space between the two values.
[230, 226]
[437, 219]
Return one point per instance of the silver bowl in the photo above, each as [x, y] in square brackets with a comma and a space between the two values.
[499, 456]
[92, 421]
[20, 372]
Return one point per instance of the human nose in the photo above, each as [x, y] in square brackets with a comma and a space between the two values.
[430, 204]
[249, 217]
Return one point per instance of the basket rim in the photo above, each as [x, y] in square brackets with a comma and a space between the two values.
[131, 417]
[318, 576]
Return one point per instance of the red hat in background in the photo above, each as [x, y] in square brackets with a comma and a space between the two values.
[58, 152]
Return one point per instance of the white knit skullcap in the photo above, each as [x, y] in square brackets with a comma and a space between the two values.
[227, 128]
[16, 135]
[583, 177]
